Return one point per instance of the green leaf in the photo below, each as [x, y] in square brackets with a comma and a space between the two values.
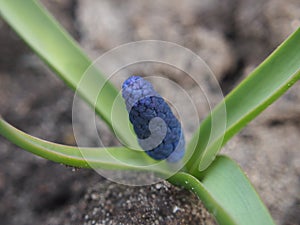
[112, 158]
[225, 190]
[49, 40]
[261, 88]
[227, 193]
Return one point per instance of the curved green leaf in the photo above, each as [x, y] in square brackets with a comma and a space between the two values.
[49, 40]
[227, 193]
[112, 158]
[262, 87]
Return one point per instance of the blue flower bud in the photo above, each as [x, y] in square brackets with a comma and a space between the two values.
[158, 130]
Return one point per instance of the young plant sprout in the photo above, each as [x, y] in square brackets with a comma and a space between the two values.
[158, 130]
[216, 179]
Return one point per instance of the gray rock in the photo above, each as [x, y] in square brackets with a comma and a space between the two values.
[107, 24]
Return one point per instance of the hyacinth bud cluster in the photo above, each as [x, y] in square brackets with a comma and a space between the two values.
[158, 130]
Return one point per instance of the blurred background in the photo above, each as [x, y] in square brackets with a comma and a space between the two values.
[232, 36]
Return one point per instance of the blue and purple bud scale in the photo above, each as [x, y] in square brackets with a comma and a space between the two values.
[158, 130]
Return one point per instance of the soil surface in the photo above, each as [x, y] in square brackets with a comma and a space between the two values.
[232, 36]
